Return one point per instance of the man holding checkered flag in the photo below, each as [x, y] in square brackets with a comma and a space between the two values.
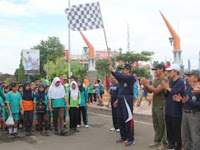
[86, 17]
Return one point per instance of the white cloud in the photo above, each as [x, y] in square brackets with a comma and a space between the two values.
[13, 40]
[10, 9]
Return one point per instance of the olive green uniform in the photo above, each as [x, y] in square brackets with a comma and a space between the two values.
[158, 112]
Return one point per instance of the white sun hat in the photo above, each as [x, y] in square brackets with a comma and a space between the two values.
[174, 67]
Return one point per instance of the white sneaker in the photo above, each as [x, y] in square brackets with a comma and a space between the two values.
[78, 126]
[112, 129]
[20, 126]
[87, 126]
[118, 130]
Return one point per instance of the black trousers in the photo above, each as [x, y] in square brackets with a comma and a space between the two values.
[126, 126]
[173, 125]
[28, 120]
[95, 97]
[83, 111]
[90, 97]
[43, 121]
[73, 114]
[115, 118]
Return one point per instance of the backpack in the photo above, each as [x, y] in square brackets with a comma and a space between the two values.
[41, 106]
[101, 89]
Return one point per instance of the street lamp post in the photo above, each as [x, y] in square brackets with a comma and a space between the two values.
[120, 50]
[171, 39]
[85, 49]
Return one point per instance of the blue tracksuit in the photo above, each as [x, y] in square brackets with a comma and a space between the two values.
[173, 113]
[172, 108]
[125, 105]
[82, 108]
[114, 95]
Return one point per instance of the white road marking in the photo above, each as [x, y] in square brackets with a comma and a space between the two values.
[141, 122]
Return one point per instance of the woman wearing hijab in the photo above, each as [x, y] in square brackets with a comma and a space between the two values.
[41, 109]
[28, 106]
[57, 102]
[83, 105]
[74, 99]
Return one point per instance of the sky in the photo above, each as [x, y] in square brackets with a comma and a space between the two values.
[24, 23]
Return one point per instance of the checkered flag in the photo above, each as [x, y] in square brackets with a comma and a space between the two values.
[84, 17]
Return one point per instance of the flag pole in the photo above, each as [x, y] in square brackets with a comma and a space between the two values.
[199, 60]
[104, 31]
[69, 49]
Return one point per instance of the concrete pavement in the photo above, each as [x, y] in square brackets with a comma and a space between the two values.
[97, 137]
[143, 110]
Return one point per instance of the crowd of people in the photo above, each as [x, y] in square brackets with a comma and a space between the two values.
[175, 105]
[175, 108]
[38, 106]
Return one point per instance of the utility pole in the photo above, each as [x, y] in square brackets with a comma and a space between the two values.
[199, 60]
[69, 49]
[128, 38]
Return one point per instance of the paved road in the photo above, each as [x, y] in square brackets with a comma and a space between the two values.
[97, 137]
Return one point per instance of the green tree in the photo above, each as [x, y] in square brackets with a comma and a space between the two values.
[50, 50]
[60, 68]
[8, 81]
[103, 68]
[130, 57]
[19, 73]
[78, 70]
[141, 72]
[155, 63]
[168, 63]
[57, 68]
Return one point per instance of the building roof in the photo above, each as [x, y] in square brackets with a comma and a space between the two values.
[3, 77]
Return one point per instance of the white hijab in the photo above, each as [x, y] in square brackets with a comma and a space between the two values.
[74, 92]
[56, 92]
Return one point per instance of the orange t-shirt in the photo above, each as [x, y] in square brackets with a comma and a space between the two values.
[86, 82]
